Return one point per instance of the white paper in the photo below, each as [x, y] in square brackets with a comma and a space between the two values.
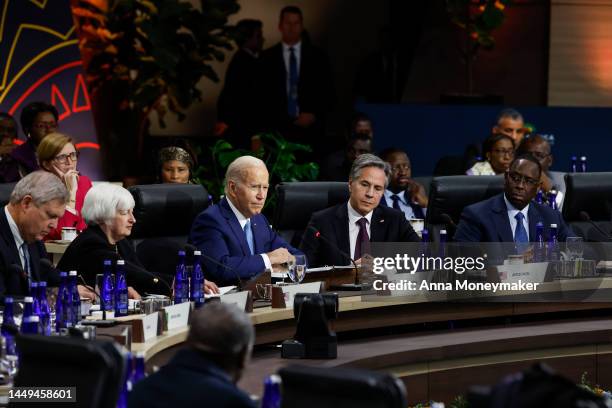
[222, 291]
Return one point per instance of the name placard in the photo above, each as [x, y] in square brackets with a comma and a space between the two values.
[149, 326]
[239, 299]
[530, 272]
[177, 316]
[289, 291]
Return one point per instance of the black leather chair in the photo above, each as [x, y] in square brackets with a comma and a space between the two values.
[589, 196]
[448, 196]
[304, 387]
[95, 367]
[298, 200]
[5, 192]
[164, 214]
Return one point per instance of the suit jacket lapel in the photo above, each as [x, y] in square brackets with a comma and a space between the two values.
[341, 228]
[500, 217]
[234, 225]
[378, 228]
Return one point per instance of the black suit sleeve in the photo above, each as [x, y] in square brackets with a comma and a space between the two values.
[468, 228]
[310, 244]
[406, 232]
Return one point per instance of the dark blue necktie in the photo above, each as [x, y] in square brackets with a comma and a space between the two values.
[292, 94]
[520, 234]
[396, 199]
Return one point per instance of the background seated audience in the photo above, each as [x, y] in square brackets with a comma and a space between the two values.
[499, 151]
[57, 154]
[8, 134]
[176, 165]
[205, 372]
[403, 193]
[353, 225]
[540, 148]
[336, 166]
[38, 119]
[234, 232]
[510, 123]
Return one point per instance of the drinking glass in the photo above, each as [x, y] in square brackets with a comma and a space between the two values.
[297, 268]
[575, 247]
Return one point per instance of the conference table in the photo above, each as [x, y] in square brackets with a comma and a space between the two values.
[438, 348]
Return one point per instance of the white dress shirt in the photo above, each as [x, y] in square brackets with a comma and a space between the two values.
[353, 217]
[404, 206]
[243, 220]
[512, 211]
[16, 236]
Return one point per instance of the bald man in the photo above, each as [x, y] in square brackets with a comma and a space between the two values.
[234, 232]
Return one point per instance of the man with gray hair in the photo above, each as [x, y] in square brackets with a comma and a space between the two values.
[234, 232]
[36, 204]
[205, 372]
[352, 226]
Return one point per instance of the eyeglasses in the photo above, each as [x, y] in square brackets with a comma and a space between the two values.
[504, 152]
[44, 125]
[540, 156]
[398, 167]
[519, 178]
[63, 158]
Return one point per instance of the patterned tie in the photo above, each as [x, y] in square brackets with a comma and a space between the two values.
[292, 94]
[248, 232]
[520, 234]
[362, 245]
[26, 260]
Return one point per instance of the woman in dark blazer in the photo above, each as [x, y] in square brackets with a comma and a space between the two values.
[108, 210]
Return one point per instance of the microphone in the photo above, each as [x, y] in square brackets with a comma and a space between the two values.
[45, 267]
[318, 235]
[585, 217]
[191, 248]
[448, 220]
[156, 278]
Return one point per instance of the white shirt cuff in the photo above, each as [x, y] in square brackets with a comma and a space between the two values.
[266, 261]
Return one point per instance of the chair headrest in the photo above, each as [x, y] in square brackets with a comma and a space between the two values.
[166, 209]
[298, 200]
[588, 192]
[450, 194]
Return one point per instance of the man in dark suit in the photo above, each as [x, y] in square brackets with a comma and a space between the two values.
[36, 204]
[234, 232]
[296, 88]
[512, 216]
[236, 113]
[403, 193]
[352, 226]
[205, 372]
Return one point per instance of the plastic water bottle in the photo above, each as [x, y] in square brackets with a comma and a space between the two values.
[121, 289]
[197, 280]
[30, 325]
[539, 253]
[552, 199]
[35, 298]
[138, 373]
[75, 298]
[540, 197]
[553, 244]
[8, 320]
[583, 164]
[60, 321]
[574, 165]
[443, 239]
[179, 280]
[28, 308]
[45, 312]
[106, 288]
[271, 396]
